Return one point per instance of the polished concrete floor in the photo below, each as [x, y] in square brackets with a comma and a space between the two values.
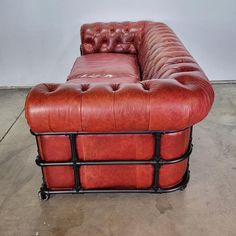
[206, 207]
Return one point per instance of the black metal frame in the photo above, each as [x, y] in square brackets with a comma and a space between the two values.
[157, 161]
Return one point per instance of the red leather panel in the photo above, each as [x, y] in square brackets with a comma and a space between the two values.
[105, 67]
[122, 37]
[58, 177]
[115, 147]
[54, 148]
[129, 176]
[131, 147]
[174, 145]
[171, 175]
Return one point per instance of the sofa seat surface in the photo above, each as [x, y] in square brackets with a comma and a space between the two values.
[105, 67]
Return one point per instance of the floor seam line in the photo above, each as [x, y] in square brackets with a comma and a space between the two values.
[8, 130]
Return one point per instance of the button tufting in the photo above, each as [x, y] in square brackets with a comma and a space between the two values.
[122, 34]
[112, 30]
[146, 87]
[84, 87]
[115, 87]
[104, 40]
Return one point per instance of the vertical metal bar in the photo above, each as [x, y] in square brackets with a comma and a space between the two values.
[74, 159]
[190, 144]
[157, 160]
[81, 50]
[191, 135]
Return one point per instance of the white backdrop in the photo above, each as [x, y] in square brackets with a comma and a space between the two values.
[39, 39]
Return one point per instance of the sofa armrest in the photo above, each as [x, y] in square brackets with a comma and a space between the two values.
[124, 37]
[165, 104]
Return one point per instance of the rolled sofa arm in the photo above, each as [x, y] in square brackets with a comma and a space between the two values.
[159, 104]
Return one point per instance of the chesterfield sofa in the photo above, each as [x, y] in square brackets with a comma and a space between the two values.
[123, 120]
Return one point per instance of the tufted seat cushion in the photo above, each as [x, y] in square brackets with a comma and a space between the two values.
[105, 67]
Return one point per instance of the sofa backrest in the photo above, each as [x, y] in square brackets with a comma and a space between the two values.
[160, 53]
[113, 37]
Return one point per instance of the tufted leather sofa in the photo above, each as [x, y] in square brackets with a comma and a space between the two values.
[132, 77]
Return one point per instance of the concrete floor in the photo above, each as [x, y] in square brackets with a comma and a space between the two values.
[206, 207]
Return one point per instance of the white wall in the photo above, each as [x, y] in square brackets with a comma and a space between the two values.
[39, 39]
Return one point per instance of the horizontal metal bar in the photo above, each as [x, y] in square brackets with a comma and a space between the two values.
[79, 163]
[108, 132]
[99, 191]
[179, 186]
[90, 163]
[161, 161]
[44, 163]
[114, 162]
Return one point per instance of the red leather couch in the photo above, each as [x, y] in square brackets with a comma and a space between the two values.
[122, 121]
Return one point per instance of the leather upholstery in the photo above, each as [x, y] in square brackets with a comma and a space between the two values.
[111, 37]
[162, 51]
[174, 86]
[105, 67]
[171, 92]
[165, 104]
[114, 147]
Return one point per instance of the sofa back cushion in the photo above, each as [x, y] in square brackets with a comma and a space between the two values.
[112, 37]
[161, 51]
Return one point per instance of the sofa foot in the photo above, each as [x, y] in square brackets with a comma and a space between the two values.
[42, 194]
[183, 188]
[186, 180]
